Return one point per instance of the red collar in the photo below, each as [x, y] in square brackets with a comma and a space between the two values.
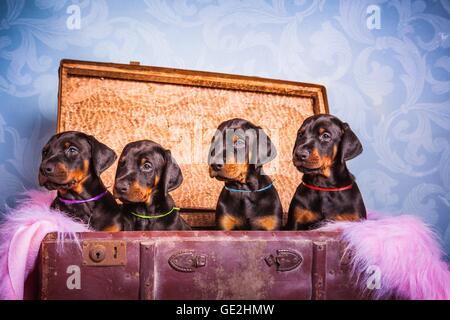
[328, 189]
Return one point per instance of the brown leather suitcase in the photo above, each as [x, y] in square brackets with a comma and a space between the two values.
[180, 109]
[197, 265]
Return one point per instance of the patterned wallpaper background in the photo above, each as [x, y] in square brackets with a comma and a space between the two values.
[386, 65]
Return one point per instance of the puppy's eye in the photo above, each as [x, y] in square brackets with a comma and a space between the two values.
[147, 167]
[325, 136]
[72, 150]
[44, 153]
[240, 143]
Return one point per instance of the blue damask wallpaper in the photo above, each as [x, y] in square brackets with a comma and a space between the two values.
[386, 65]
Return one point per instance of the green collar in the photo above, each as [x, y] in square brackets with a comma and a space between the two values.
[155, 217]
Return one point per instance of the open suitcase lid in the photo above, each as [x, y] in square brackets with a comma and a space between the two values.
[180, 109]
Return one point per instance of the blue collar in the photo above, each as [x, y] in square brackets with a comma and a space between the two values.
[270, 185]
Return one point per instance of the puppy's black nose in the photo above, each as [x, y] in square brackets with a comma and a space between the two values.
[217, 166]
[302, 154]
[47, 169]
[122, 187]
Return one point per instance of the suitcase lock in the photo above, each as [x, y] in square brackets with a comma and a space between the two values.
[104, 253]
[97, 253]
[285, 260]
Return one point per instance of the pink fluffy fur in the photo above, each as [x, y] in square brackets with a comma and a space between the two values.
[405, 250]
[21, 234]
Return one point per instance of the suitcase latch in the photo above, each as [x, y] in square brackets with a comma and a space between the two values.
[187, 261]
[285, 260]
[104, 253]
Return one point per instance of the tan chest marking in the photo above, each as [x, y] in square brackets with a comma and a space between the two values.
[347, 217]
[268, 223]
[112, 228]
[229, 222]
[305, 216]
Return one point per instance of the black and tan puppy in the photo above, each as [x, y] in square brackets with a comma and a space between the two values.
[71, 164]
[145, 175]
[328, 191]
[248, 201]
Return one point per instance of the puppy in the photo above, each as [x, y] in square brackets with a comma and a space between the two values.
[145, 175]
[71, 164]
[328, 191]
[248, 201]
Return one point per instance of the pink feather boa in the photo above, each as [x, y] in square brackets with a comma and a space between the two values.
[21, 233]
[404, 249]
[406, 252]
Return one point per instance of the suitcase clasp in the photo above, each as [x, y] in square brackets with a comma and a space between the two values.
[285, 260]
[187, 261]
[104, 253]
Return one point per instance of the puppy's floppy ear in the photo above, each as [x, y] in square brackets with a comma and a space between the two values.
[102, 155]
[266, 150]
[350, 144]
[172, 176]
[297, 139]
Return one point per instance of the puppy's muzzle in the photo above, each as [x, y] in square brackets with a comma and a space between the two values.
[215, 169]
[304, 161]
[121, 188]
[49, 174]
[44, 171]
[47, 169]
[302, 154]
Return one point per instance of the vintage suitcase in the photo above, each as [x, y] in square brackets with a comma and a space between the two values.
[180, 109]
[197, 265]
